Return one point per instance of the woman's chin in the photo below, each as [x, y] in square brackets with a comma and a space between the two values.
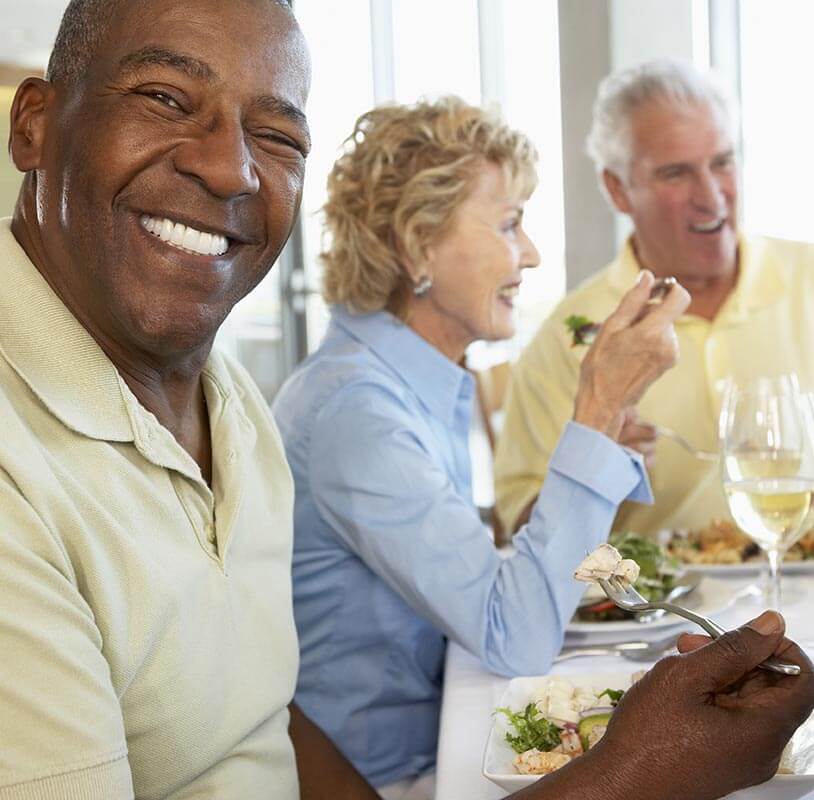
[499, 332]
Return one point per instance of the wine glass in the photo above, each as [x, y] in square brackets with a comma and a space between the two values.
[767, 465]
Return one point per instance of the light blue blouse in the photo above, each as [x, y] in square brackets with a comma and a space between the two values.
[390, 556]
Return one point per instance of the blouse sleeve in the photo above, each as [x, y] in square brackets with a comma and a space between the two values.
[375, 482]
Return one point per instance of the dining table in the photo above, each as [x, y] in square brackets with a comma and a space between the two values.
[471, 693]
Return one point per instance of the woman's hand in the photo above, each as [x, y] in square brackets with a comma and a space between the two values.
[639, 436]
[635, 345]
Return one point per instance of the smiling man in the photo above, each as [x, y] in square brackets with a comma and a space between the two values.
[663, 142]
[145, 503]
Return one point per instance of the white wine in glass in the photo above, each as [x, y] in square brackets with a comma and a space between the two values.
[768, 465]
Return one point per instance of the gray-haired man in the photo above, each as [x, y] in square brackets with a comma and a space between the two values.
[663, 144]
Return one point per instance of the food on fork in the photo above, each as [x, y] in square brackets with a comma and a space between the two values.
[658, 575]
[604, 563]
[583, 330]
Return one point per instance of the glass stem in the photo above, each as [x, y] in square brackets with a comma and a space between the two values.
[775, 557]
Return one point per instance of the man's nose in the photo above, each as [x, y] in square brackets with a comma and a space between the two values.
[220, 159]
[708, 194]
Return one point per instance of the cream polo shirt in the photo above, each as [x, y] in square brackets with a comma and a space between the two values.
[146, 631]
[765, 327]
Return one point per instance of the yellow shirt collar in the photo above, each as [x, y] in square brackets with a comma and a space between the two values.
[761, 280]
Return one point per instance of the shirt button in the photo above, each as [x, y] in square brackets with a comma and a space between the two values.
[210, 533]
[231, 457]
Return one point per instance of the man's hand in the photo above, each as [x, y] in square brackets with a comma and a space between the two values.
[700, 725]
[705, 723]
[636, 344]
[639, 436]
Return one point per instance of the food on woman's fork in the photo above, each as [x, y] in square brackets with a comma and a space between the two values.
[559, 723]
[583, 330]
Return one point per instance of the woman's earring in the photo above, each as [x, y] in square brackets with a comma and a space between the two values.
[423, 286]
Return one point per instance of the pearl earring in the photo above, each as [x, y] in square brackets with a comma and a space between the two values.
[423, 286]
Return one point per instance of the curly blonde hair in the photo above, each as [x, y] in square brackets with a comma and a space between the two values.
[394, 190]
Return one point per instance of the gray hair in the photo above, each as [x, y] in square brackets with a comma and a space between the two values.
[84, 25]
[661, 81]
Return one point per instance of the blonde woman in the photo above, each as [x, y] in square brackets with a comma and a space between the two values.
[426, 253]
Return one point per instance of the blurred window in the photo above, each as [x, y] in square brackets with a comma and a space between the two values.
[777, 117]
[368, 51]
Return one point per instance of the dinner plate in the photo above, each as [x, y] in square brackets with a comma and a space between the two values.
[709, 598]
[498, 756]
[749, 568]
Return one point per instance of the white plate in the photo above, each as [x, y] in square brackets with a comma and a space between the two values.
[749, 568]
[709, 598]
[498, 756]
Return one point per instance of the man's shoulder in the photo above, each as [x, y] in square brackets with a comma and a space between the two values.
[791, 253]
[595, 296]
[594, 299]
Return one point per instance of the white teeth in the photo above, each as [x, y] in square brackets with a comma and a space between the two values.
[509, 292]
[185, 237]
[708, 226]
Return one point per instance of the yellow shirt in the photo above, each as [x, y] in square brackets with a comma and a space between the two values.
[146, 628]
[765, 327]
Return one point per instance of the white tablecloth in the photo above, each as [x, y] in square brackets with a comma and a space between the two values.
[471, 693]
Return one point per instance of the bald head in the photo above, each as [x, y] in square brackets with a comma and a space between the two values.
[83, 26]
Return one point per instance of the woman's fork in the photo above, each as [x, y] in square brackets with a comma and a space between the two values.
[701, 455]
[625, 596]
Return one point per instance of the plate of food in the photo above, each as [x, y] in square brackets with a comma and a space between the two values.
[722, 548]
[660, 578]
[543, 723]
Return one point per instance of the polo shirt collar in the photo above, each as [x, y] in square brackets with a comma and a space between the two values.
[439, 383]
[760, 282]
[53, 353]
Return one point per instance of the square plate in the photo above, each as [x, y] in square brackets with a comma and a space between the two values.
[498, 756]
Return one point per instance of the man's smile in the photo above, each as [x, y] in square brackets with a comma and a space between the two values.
[185, 237]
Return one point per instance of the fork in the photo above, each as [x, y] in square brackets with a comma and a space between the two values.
[633, 651]
[625, 596]
[702, 455]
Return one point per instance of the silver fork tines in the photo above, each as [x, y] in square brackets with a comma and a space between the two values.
[625, 596]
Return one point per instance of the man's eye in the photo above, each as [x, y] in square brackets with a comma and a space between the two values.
[165, 99]
[274, 137]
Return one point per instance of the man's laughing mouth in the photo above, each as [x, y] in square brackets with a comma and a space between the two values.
[184, 237]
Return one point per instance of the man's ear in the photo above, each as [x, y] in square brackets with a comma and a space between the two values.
[29, 115]
[616, 191]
